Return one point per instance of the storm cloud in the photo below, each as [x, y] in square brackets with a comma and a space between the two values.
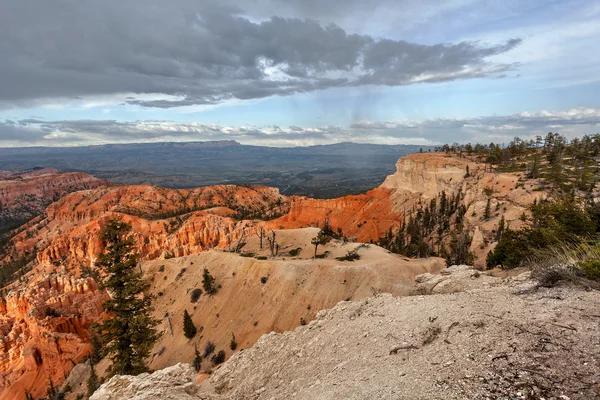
[197, 52]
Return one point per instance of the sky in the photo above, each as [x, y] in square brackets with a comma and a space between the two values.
[297, 72]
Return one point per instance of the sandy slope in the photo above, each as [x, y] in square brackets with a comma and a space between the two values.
[500, 339]
[296, 288]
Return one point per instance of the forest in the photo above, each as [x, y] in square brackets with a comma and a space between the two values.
[565, 223]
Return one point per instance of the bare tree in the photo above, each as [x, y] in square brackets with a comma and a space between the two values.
[273, 246]
[241, 241]
[260, 233]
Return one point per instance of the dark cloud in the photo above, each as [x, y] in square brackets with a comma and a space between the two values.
[203, 53]
[492, 128]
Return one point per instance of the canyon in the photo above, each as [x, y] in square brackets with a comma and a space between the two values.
[26, 194]
[178, 233]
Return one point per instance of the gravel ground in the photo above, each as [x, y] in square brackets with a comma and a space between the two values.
[503, 339]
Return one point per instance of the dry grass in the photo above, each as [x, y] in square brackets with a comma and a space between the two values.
[564, 262]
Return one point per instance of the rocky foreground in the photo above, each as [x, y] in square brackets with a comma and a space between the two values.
[481, 338]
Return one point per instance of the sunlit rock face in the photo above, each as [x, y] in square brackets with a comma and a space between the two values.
[44, 331]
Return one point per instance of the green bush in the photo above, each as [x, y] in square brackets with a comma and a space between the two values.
[351, 255]
[515, 248]
[295, 252]
[590, 268]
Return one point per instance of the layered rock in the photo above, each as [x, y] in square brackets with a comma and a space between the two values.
[171, 223]
[366, 216]
[26, 194]
[44, 331]
[166, 222]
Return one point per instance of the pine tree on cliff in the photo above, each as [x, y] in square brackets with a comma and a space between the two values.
[189, 329]
[93, 383]
[129, 329]
[488, 209]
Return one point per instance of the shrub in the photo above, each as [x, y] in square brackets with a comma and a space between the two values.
[590, 268]
[218, 358]
[197, 362]
[247, 254]
[550, 276]
[261, 258]
[195, 295]
[52, 313]
[566, 261]
[161, 268]
[189, 329]
[180, 274]
[295, 252]
[264, 279]
[515, 247]
[233, 343]
[208, 349]
[351, 255]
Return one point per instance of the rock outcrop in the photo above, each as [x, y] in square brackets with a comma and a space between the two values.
[166, 222]
[169, 222]
[26, 194]
[172, 383]
[44, 331]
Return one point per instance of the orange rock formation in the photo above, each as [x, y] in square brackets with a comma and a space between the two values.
[173, 223]
[24, 195]
[44, 331]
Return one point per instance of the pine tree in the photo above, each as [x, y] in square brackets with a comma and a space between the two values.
[488, 210]
[129, 329]
[93, 382]
[233, 343]
[189, 329]
[322, 238]
[208, 282]
[96, 353]
[501, 227]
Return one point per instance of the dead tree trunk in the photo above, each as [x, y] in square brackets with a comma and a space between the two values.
[273, 246]
[240, 241]
[260, 233]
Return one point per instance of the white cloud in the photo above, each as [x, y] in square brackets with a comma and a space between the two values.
[571, 123]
